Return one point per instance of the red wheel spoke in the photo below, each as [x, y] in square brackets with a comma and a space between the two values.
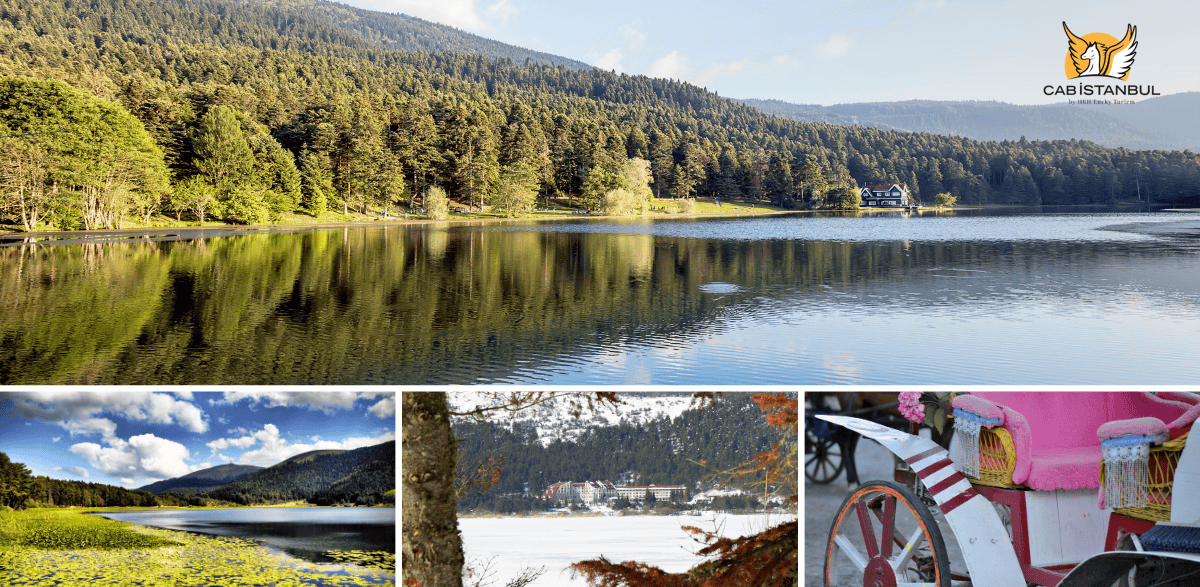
[864, 520]
[889, 525]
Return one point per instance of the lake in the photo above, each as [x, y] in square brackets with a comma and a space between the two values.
[300, 532]
[555, 542]
[1020, 297]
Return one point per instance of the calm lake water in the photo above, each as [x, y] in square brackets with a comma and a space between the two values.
[301, 532]
[1025, 297]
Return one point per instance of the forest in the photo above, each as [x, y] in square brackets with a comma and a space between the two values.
[19, 489]
[666, 451]
[257, 111]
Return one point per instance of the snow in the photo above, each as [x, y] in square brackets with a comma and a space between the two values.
[557, 542]
[553, 419]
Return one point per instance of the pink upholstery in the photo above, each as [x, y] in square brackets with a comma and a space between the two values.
[1054, 433]
[1148, 426]
[979, 407]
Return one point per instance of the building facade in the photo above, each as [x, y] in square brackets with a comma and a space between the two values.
[893, 195]
[590, 492]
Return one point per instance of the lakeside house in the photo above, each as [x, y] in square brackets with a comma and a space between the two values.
[893, 195]
[597, 491]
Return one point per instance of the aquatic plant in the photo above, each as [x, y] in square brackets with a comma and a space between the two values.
[43, 548]
[376, 559]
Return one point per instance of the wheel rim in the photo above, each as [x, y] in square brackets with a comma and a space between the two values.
[859, 552]
[824, 462]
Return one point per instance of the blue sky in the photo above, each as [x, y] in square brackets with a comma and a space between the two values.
[836, 52]
[132, 439]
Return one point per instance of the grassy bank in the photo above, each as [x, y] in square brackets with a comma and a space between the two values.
[557, 211]
[43, 547]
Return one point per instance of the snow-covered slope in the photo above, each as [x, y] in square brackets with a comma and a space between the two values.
[553, 419]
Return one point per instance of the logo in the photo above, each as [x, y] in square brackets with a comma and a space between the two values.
[1100, 55]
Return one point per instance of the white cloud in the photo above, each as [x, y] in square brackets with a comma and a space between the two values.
[456, 13]
[386, 408]
[127, 481]
[671, 65]
[77, 411]
[326, 401]
[145, 455]
[56, 439]
[632, 38]
[610, 61]
[836, 46]
[273, 448]
[501, 11]
[224, 443]
[76, 471]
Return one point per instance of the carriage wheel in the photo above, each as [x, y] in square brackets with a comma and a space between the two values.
[823, 458]
[884, 536]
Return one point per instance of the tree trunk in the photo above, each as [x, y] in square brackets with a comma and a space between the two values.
[432, 550]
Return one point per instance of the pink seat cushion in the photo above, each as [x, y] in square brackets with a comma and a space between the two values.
[1148, 426]
[1065, 468]
[978, 406]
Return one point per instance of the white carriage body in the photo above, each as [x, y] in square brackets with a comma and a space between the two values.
[1065, 526]
[986, 547]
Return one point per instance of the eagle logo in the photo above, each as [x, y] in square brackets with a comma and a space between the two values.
[1099, 54]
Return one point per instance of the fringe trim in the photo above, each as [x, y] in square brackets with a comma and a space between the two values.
[966, 452]
[1126, 475]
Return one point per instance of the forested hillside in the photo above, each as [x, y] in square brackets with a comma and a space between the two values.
[263, 110]
[362, 475]
[721, 436]
[1154, 123]
[206, 479]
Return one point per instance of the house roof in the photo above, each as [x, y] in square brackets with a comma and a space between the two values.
[883, 187]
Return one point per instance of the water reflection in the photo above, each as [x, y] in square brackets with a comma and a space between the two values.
[1042, 298]
[302, 533]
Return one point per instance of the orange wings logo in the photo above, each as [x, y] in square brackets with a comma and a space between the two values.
[1099, 54]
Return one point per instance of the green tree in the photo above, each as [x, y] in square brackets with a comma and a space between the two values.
[516, 194]
[96, 158]
[437, 205]
[16, 484]
[843, 198]
[223, 154]
[23, 189]
[944, 199]
[779, 183]
[194, 195]
[316, 182]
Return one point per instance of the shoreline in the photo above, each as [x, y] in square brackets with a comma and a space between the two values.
[186, 231]
[172, 232]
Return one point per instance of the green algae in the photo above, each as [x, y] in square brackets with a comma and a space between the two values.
[373, 559]
[151, 557]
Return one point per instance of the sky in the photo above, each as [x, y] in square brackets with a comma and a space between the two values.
[821, 52]
[132, 439]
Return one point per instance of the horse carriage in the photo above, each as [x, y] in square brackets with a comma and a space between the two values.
[1051, 489]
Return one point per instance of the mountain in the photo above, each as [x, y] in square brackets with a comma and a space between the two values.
[362, 475]
[553, 420]
[1164, 122]
[660, 441]
[208, 478]
[407, 33]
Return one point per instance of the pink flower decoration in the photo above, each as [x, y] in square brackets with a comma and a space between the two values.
[911, 407]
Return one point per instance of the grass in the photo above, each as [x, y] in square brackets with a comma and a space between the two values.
[62, 547]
